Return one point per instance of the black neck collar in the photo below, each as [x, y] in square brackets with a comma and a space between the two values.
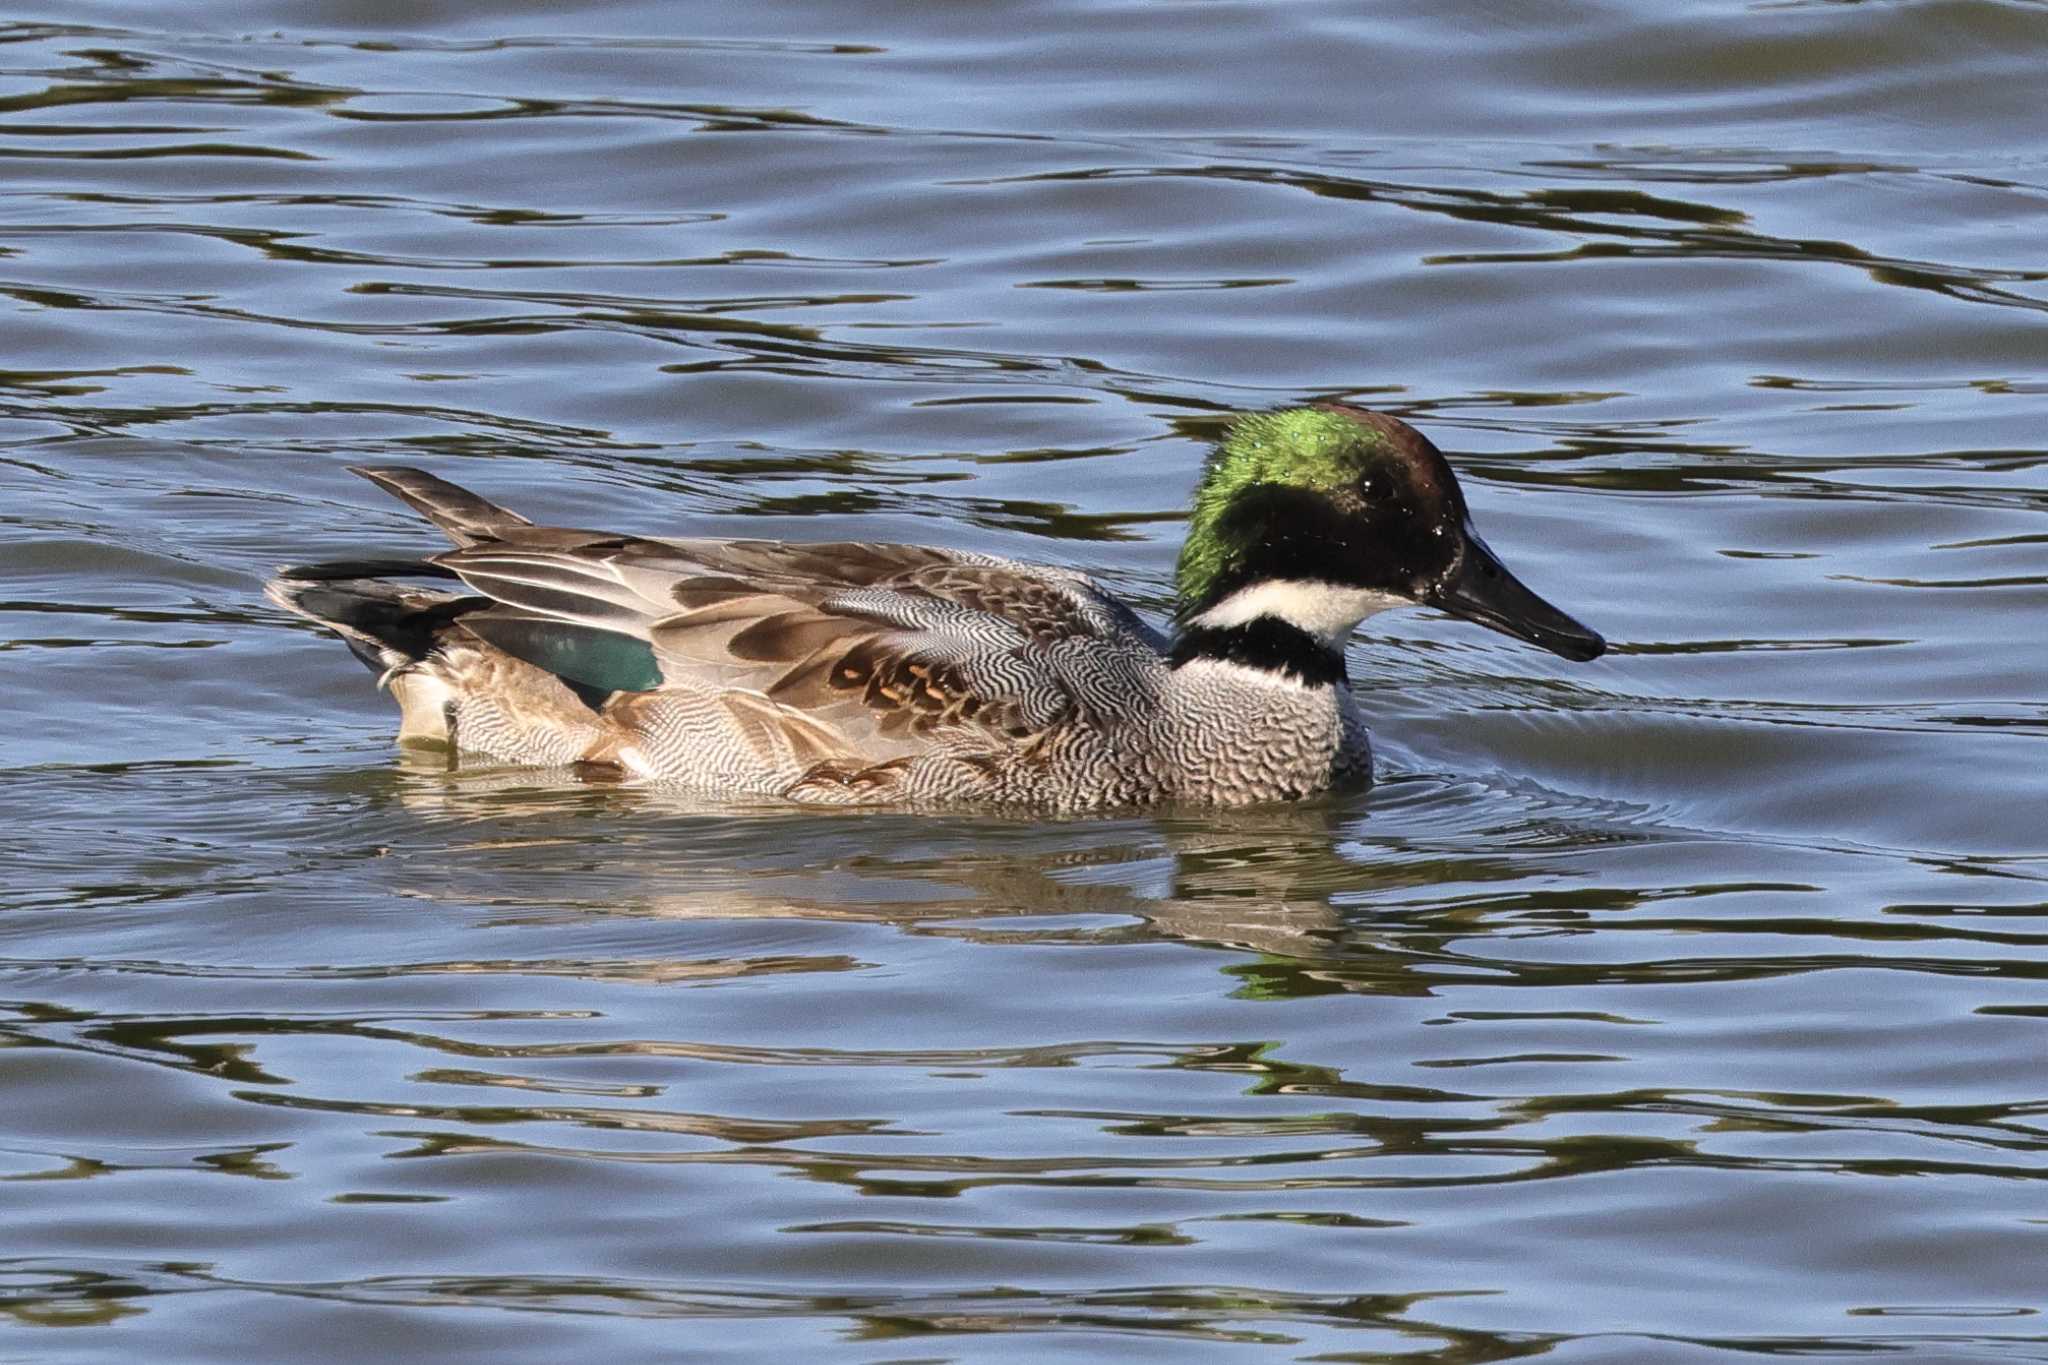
[1265, 642]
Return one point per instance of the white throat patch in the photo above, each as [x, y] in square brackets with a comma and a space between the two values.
[1328, 611]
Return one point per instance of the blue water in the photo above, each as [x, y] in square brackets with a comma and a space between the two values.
[1685, 1006]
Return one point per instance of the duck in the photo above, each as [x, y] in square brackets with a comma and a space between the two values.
[852, 673]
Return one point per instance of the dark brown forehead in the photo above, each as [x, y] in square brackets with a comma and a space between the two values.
[1409, 453]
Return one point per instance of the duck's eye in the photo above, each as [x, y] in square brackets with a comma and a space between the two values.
[1372, 487]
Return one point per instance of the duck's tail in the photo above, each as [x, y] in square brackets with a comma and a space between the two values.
[392, 629]
[462, 516]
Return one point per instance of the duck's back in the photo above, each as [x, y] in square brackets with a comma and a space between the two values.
[845, 672]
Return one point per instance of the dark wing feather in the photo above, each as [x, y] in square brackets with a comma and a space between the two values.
[574, 579]
[603, 661]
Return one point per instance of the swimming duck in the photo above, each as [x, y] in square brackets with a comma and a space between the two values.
[853, 673]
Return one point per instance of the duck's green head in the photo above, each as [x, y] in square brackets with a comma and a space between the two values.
[1317, 517]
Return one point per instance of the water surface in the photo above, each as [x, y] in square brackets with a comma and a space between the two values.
[1686, 1006]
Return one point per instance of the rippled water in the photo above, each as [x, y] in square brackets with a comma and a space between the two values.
[1685, 1006]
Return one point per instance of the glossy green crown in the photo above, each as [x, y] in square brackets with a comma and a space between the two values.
[1300, 447]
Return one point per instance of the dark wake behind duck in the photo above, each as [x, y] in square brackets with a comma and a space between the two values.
[863, 674]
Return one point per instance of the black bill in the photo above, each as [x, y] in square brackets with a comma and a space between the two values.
[1479, 588]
